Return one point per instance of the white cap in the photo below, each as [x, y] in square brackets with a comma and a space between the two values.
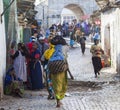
[41, 38]
[34, 39]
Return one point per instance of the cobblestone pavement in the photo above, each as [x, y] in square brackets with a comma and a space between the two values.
[105, 98]
[82, 68]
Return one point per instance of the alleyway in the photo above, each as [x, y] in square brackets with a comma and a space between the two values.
[84, 93]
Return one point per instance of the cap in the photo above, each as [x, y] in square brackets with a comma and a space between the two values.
[41, 38]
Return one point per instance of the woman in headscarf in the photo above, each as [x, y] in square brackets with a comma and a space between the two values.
[13, 85]
[35, 69]
[82, 43]
[20, 63]
[58, 70]
[96, 51]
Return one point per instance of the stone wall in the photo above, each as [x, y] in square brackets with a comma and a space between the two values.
[111, 19]
[52, 12]
[2, 50]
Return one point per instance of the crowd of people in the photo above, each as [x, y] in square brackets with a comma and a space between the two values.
[43, 60]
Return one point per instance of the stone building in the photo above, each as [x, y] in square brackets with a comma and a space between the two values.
[110, 30]
[2, 49]
[16, 15]
[51, 13]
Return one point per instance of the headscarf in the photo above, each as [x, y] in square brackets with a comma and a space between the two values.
[58, 40]
[49, 52]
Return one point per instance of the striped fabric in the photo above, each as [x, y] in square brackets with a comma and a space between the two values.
[57, 66]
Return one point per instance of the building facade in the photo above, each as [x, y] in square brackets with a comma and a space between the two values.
[2, 50]
[110, 36]
[110, 32]
[51, 13]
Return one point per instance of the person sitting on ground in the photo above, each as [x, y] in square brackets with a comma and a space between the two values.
[82, 43]
[13, 85]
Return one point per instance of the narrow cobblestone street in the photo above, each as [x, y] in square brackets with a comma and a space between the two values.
[84, 93]
[31, 44]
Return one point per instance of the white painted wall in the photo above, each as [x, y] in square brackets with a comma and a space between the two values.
[112, 18]
[2, 50]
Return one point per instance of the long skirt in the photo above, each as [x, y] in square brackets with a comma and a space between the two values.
[36, 76]
[59, 81]
[96, 61]
[83, 47]
[15, 88]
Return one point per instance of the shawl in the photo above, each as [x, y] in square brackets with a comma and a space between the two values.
[49, 52]
[58, 54]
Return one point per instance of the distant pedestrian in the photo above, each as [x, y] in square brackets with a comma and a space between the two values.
[72, 37]
[78, 34]
[82, 43]
[96, 51]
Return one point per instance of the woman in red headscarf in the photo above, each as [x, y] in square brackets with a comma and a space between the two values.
[35, 68]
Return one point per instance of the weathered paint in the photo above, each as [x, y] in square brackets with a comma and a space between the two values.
[2, 50]
[112, 18]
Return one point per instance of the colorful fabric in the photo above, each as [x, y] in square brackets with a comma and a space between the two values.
[59, 80]
[49, 52]
[16, 88]
[49, 84]
[20, 67]
[96, 36]
[57, 66]
[96, 50]
[59, 84]
[36, 71]
[29, 46]
[13, 85]
[72, 42]
[58, 54]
